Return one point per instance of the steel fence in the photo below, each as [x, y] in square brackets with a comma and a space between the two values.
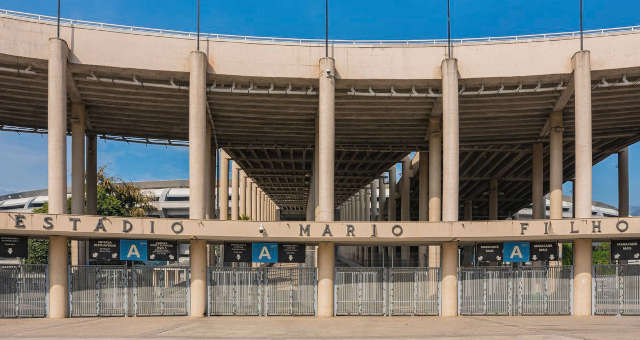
[360, 291]
[234, 291]
[290, 290]
[616, 289]
[23, 290]
[160, 290]
[414, 291]
[515, 291]
[98, 291]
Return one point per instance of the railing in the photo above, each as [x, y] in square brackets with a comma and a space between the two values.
[214, 36]
[616, 289]
[23, 290]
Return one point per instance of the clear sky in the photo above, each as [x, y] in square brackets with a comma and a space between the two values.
[349, 19]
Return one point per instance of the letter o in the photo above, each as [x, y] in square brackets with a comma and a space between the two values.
[397, 230]
[626, 226]
[177, 227]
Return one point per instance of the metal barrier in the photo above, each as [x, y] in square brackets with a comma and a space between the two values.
[414, 291]
[616, 289]
[122, 291]
[519, 291]
[23, 290]
[262, 291]
[360, 291]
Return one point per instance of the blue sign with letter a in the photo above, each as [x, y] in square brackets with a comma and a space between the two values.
[264, 252]
[133, 250]
[515, 251]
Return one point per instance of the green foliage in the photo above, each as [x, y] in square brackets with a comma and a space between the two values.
[38, 251]
[567, 254]
[244, 218]
[602, 253]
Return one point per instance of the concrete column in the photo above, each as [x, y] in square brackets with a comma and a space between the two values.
[623, 182]
[326, 267]
[254, 201]
[197, 135]
[326, 140]
[367, 204]
[405, 189]
[213, 182]
[392, 194]
[493, 199]
[58, 298]
[198, 262]
[259, 204]
[247, 198]
[223, 191]
[382, 197]
[405, 255]
[582, 81]
[538, 208]
[468, 210]
[435, 170]
[423, 195]
[450, 134]
[364, 211]
[374, 200]
[234, 191]
[434, 256]
[209, 176]
[555, 166]
[243, 194]
[582, 277]
[92, 175]
[57, 126]
[449, 279]
[78, 251]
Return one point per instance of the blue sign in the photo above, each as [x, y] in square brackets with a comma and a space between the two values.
[264, 252]
[133, 250]
[515, 252]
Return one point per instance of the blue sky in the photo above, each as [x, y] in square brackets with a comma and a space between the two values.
[350, 19]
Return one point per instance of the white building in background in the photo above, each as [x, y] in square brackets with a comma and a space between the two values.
[598, 209]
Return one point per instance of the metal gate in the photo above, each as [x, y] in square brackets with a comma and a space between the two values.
[520, 291]
[160, 290]
[290, 290]
[616, 289]
[23, 290]
[97, 291]
[360, 291]
[414, 291]
[235, 291]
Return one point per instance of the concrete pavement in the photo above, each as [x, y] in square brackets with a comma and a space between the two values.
[479, 327]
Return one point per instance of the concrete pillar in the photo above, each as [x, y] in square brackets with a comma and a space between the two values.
[450, 134]
[382, 197]
[582, 277]
[405, 189]
[468, 210]
[235, 208]
[374, 200]
[92, 175]
[538, 207]
[254, 201]
[223, 191]
[326, 267]
[197, 135]
[259, 205]
[434, 256]
[392, 194]
[493, 199]
[247, 197]
[57, 126]
[449, 279]
[423, 195]
[78, 251]
[405, 255]
[623, 182]
[326, 145]
[364, 212]
[58, 298]
[555, 165]
[583, 161]
[242, 194]
[367, 204]
[435, 170]
[213, 182]
[198, 262]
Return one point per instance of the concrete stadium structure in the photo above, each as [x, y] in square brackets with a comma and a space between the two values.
[495, 126]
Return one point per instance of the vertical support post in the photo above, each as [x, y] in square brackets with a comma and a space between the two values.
[57, 126]
[392, 194]
[450, 134]
[374, 200]
[258, 205]
[326, 140]
[423, 195]
[363, 205]
[197, 135]
[468, 210]
[435, 170]
[623, 182]
[555, 165]
[209, 212]
[326, 270]
[493, 199]
[242, 194]
[405, 189]
[449, 279]
[223, 192]
[249, 199]
[537, 177]
[213, 182]
[77, 176]
[234, 191]
[92, 174]
[198, 282]
[382, 196]
[58, 278]
[583, 161]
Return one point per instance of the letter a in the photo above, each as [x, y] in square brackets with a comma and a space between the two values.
[264, 252]
[516, 252]
[133, 250]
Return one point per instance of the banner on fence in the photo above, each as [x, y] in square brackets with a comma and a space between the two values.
[162, 250]
[13, 246]
[133, 250]
[291, 253]
[237, 252]
[264, 252]
[625, 250]
[104, 249]
[544, 251]
[487, 253]
[515, 252]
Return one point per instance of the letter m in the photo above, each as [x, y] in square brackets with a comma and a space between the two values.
[305, 231]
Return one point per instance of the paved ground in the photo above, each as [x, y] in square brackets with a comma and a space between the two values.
[336, 328]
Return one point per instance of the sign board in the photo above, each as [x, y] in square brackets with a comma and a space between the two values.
[13, 246]
[625, 250]
[487, 253]
[515, 252]
[163, 250]
[237, 252]
[133, 250]
[544, 251]
[291, 253]
[264, 252]
[104, 249]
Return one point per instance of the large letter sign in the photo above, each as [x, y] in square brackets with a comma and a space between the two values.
[264, 252]
[133, 250]
[516, 251]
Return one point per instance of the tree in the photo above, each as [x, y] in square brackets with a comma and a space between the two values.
[115, 197]
[601, 253]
